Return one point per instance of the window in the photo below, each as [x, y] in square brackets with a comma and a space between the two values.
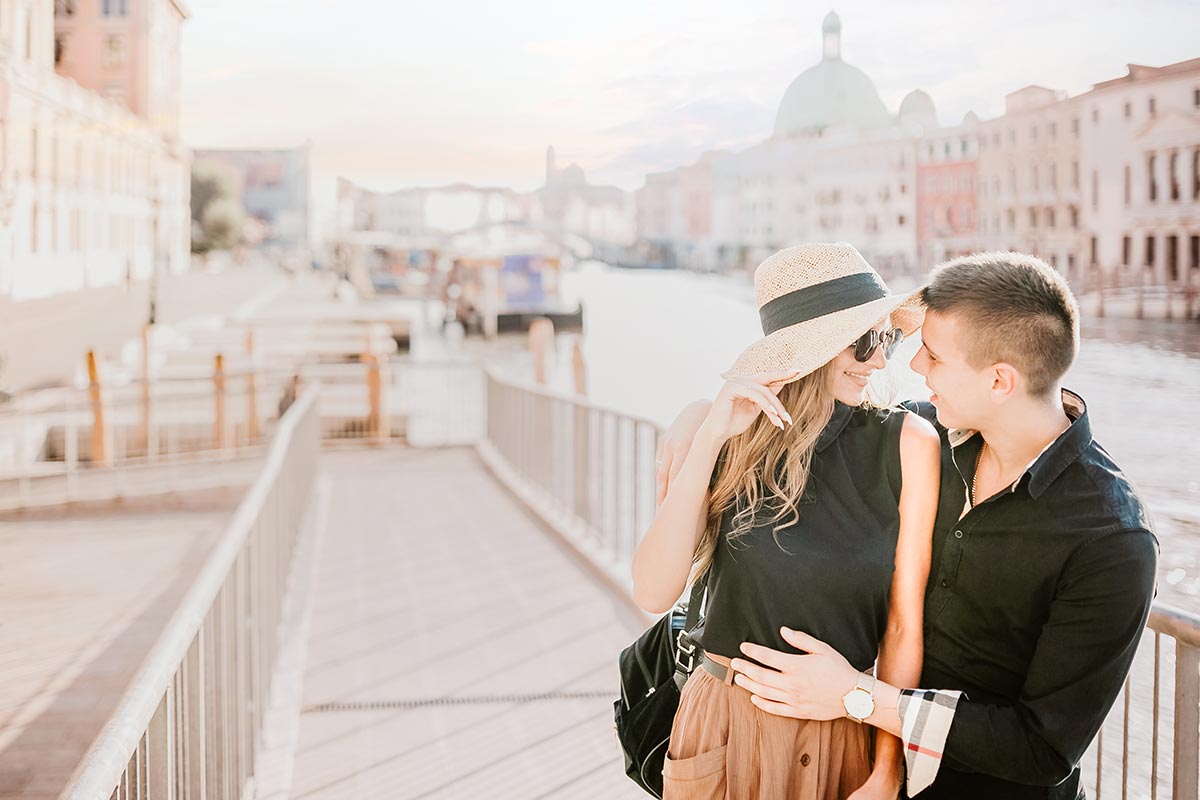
[119, 8]
[60, 44]
[1126, 250]
[1151, 106]
[1075, 126]
[1095, 189]
[1033, 177]
[33, 153]
[1033, 215]
[1149, 262]
[114, 50]
[1012, 136]
[1152, 186]
[1074, 174]
[1053, 130]
[1012, 180]
[1196, 98]
[1074, 218]
[1012, 220]
[1049, 217]
[64, 8]
[1128, 110]
[900, 221]
[1196, 174]
[1095, 116]
[1053, 176]
[1126, 187]
[1033, 133]
[946, 149]
[1173, 174]
[962, 146]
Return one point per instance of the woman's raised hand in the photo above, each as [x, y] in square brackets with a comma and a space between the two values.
[742, 399]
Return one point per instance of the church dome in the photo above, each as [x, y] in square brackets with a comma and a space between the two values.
[918, 106]
[832, 93]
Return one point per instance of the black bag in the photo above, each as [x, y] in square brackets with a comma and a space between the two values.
[653, 670]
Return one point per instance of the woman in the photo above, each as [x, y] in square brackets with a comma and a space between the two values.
[804, 506]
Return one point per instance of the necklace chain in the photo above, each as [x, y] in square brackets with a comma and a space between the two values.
[975, 477]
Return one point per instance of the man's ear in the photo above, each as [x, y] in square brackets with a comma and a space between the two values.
[1005, 380]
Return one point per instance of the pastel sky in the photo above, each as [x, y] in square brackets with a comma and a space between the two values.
[395, 93]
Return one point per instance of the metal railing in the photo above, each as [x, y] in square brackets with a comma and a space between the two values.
[76, 446]
[589, 472]
[189, 725]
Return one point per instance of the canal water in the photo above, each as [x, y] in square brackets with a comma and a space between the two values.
[656, 340]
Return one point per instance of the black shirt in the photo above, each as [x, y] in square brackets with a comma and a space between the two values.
[1036, 601]
[830, 572]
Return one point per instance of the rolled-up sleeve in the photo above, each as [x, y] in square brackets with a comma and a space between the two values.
[1081, 659]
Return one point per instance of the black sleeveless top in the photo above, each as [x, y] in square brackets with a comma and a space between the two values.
[831, 571]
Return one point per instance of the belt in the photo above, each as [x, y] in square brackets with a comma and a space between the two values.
[718, 670]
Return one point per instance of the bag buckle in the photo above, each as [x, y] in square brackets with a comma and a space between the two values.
[683, 647]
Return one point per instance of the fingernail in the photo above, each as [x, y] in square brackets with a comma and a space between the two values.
[785, 630]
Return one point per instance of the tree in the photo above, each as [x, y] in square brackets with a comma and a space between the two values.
[222, 223]
[214, 185]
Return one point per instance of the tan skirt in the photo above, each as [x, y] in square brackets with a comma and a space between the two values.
[723, 746]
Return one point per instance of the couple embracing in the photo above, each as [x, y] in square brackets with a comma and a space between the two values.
[936, 597]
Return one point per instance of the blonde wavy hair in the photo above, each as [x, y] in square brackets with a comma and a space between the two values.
[765, 468]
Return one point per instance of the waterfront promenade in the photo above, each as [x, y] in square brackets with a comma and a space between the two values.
[427, 606]
[455, 649]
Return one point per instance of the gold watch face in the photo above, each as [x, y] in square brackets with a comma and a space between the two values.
[859, 704]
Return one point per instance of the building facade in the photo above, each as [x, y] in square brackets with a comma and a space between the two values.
[1141, 157]
[839, 166]
[91, 193]
[1104, 185]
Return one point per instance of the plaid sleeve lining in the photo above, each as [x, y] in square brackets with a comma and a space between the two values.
[925, 717]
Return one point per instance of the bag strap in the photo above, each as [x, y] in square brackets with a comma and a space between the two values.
[694, 602]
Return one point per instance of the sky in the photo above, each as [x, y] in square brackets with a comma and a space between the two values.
[394, 93]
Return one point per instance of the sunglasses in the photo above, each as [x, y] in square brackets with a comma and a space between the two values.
[865, 346]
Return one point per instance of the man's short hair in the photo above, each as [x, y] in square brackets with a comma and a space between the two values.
[1018, 310]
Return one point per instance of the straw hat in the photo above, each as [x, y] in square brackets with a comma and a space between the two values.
[815, 300]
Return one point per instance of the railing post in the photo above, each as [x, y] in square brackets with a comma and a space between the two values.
[219, 402]
[541, 345]
[579, 367]
[144, 431]
[1187, 722]
[99, 455]
[160, 749]
[376, 425]
[251, 391]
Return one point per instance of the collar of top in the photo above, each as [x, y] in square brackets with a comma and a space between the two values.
[1057, 456]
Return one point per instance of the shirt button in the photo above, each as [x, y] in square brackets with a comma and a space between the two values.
[945, 583]
[804, 759]
[958, 534]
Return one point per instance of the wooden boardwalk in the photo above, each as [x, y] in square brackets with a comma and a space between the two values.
[456, 649]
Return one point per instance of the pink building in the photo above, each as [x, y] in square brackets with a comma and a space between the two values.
[125, 50]
[946, 210]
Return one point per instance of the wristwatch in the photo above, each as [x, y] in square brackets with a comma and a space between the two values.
[860, 701]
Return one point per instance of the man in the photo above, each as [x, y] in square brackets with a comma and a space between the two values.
[1043, 566]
